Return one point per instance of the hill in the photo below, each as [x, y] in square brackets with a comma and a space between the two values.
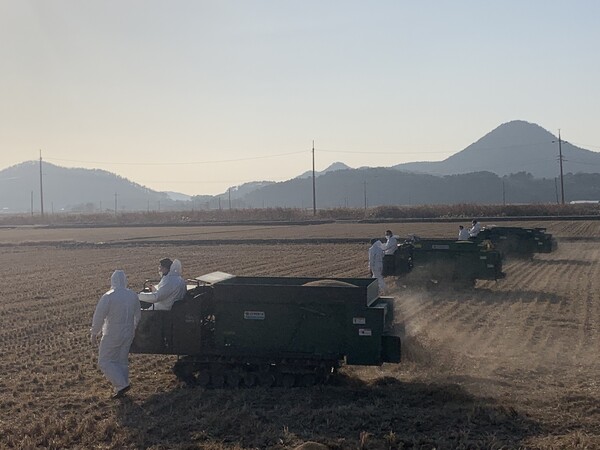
[513, 147]
[384, 186]
[74, 189]
[332, 168]
[519, 158]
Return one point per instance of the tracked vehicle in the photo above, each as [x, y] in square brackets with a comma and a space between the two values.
[447, 260]
[271, 331]
[517, 240]
[460, 261]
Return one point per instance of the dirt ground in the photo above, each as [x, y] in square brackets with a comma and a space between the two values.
[508, 364]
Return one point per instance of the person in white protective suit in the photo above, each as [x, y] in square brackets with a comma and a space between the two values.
[391, 243]
[463, 235]
[376, 262]
[475, 228]
[171, 288]
[113, 325]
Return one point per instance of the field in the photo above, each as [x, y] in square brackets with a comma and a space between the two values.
[508, 364]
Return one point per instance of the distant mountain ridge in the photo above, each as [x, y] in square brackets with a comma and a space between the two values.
[178, 196]
[525, 151]
[74, 189]
[332, 168]
[243, 189]
[512, 147]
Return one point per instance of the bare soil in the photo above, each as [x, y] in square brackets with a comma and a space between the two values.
[508, 364]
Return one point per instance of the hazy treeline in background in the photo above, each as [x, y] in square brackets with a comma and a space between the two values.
[97, 191]
[462, 212]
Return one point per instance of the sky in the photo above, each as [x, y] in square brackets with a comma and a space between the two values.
[197, 96]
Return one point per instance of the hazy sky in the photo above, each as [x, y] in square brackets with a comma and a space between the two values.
[196, 96]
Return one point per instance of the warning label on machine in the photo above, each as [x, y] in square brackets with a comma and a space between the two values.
[364, 332]
[359, 320]
[254, 315]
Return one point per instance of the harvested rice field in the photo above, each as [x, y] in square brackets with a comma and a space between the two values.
[507, 364]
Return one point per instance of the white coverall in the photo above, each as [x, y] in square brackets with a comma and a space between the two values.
[376, 264]
[116, 317]
[171, 288]
[390, 246]
[475, 229]
[463, 235]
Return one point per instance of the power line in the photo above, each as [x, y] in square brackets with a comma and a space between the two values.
[377, 152]
[581, 162]
[277, 155]
[493, 167]
[435, 152]
[585, 145]
[142, 163]
[234, 182]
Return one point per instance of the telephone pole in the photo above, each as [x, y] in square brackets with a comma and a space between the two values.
[313, 180]
[365, 195]
[41, 187]
[560, 162]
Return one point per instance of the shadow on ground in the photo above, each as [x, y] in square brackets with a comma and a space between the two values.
[386, 413]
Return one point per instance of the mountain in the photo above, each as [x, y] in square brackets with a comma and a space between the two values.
[244, 189]
[516, 162]
[513, 147]
[332, 168]
[385, 186]
[74, 189]
[178, 196]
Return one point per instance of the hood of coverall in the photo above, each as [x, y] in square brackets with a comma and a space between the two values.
[118, 280]
[175, 268]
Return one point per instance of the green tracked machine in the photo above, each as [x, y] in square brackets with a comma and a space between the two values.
[446, 260]
[517, 240]
[458, 261]
[271, 331]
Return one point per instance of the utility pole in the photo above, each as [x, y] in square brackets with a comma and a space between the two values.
[314, 185]
[229, 191]
[556, 189]
[365, 195]
[41, 187]
[560, 162]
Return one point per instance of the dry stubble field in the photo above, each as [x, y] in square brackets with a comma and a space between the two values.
[505, 365]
